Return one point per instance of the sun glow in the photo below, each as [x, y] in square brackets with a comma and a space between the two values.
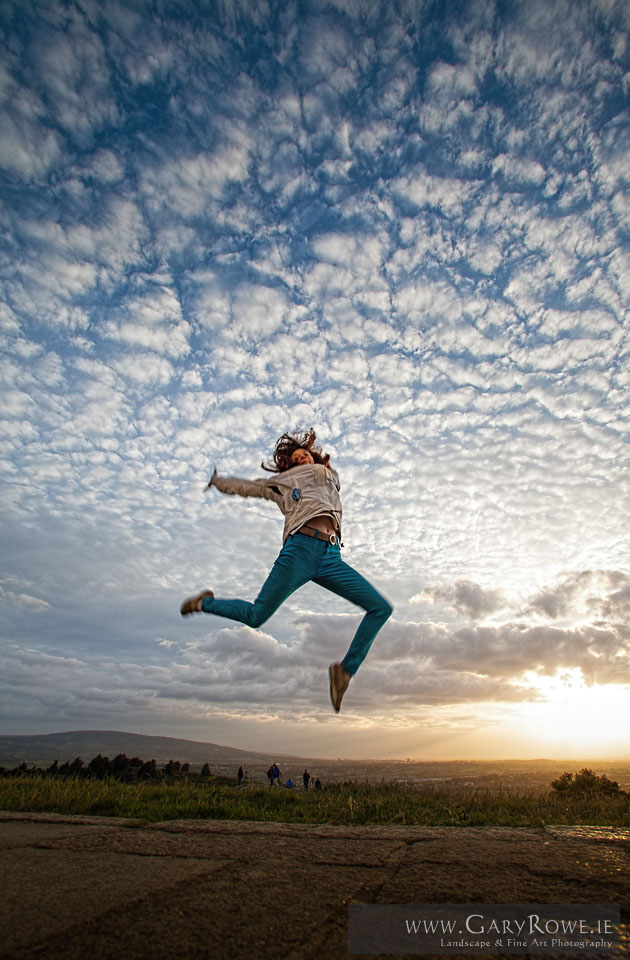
[571, 715]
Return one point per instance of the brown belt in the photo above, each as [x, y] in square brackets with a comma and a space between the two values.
[319, 534]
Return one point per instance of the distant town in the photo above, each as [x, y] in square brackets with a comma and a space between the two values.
[515, 776]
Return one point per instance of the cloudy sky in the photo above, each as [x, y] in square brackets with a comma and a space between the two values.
[405, 224]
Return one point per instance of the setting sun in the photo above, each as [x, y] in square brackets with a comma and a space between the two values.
[571, 715]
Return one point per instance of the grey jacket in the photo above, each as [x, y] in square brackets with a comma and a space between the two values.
[302, 493]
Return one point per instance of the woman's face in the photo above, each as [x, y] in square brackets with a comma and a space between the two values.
[301, 456]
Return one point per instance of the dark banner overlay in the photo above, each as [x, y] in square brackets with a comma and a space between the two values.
[572, 930]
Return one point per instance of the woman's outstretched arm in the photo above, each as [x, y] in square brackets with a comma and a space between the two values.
[243, 488]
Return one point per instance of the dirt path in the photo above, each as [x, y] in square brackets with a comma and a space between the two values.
[91, 888]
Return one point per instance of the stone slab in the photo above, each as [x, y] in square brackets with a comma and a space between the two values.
[106, 889]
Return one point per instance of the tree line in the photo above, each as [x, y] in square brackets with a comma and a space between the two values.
[123, 768]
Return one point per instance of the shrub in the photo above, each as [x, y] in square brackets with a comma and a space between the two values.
[586, 782]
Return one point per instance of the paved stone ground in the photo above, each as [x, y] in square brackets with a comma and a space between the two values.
[92, 888]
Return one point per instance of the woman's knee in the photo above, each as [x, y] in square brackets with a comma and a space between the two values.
[257, 616]
[384, 610]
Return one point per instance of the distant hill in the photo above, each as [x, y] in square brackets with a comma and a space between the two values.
[89, 743]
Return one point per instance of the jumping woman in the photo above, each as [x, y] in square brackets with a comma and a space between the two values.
[306, 489]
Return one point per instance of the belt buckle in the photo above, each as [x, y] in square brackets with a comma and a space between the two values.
[332, 539]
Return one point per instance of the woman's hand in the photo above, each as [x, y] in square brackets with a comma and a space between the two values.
[211, 480]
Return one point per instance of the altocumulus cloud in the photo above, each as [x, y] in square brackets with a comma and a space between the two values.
[403, 224]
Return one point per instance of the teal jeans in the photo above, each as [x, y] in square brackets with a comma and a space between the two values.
[300, 560]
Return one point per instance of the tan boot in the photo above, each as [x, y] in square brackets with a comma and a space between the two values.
[193, 604]
[339, 681]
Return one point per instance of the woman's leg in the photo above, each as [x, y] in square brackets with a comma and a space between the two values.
[339, 577]
[294, 567]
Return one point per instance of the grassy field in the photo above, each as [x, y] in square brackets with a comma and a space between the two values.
[343, 804]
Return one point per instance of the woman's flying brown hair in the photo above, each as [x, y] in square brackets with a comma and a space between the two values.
[288, 443]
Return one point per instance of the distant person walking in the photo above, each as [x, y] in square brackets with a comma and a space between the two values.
[277, 775]
[239, 776]
[306, 778]
[270, 776]
[306, 489]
